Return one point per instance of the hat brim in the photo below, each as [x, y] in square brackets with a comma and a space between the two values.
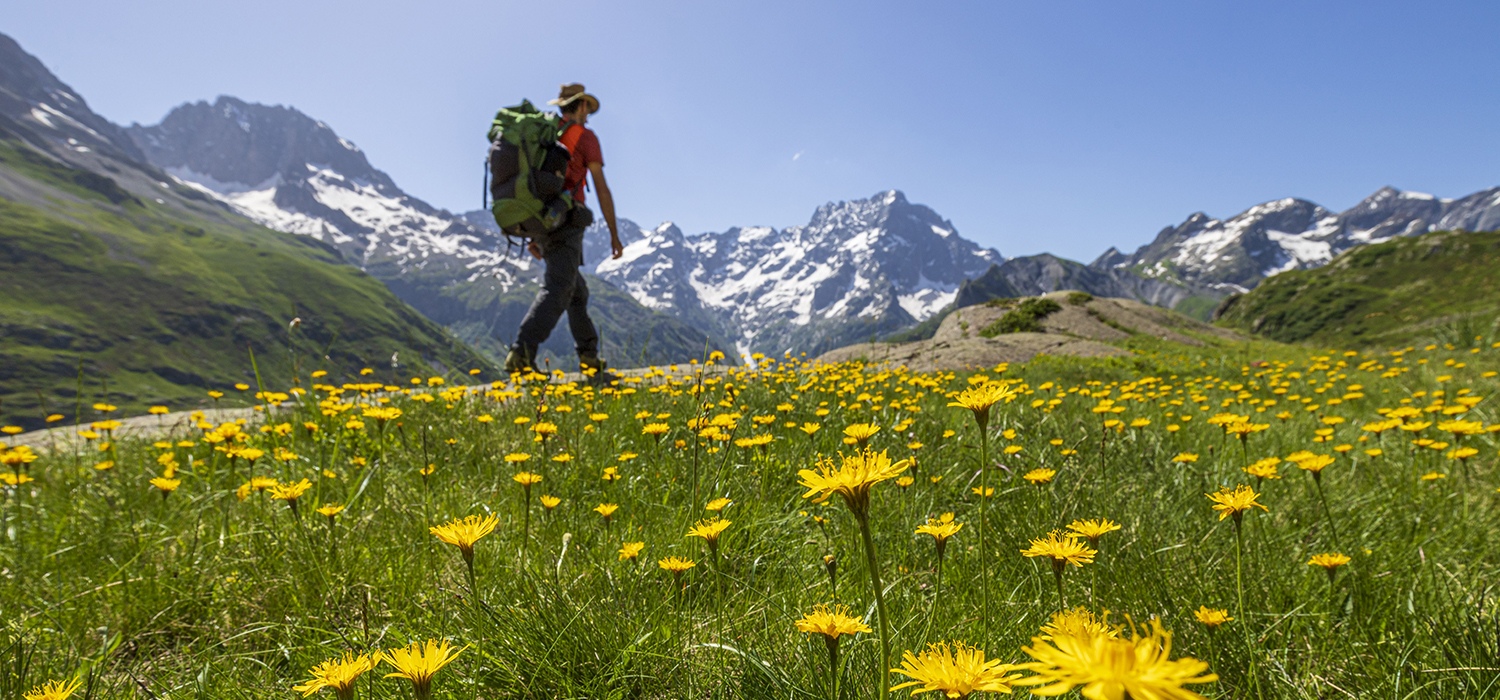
[593, 101]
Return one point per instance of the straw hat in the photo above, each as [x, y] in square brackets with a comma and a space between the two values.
[572, 92]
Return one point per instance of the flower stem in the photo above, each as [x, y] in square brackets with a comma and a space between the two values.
[833, 668]
[1240, 590]
[937, 592]
[473, 590]
[1057, 573]
[885, 634]
[984, 555]
[526, 524]
[1327, 513]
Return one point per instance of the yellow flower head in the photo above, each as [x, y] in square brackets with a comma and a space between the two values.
[290, 492]
[709, 530]
[941, 529]
[1212, 617]
[1235, 502]
[527, 479]
[1329, 561]
[1185, 458]
[419, 663]
[1040, 476]
[606, 509]
[338, 673]
[54, 690]
[1461, 453]
[754, 441]
[1264, 468]
[676, 565]
[13, 479]
[980, 398]
[956, 670]
[718, 504]
[831, 622]
[517, 457]
[21, 454]
[1092, 530]
[655, 429]
[464, 533]
[1432, 476]
[550, 502]
[166, 485]
[852, 478]
[1315, 463]
[810, 428]
[861, 432]
[1113, 667]
[631, 550]
[1243, 430]
[1062, 548]
[330, 510]
[1079, 621]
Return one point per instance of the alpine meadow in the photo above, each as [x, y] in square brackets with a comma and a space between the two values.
[1169, 524]
[272, 426]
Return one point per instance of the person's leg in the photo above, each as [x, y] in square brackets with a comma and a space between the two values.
[585, 335]
[558, 279]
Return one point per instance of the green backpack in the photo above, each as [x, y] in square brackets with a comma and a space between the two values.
[525, 171]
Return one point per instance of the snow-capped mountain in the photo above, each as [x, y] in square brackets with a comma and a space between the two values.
[288, 171]
[1232, 255]
[860, 268]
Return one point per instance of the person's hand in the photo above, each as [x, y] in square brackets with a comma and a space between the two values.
[616, 247]
[536, 250]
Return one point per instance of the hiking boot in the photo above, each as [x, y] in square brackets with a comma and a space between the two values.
[520, 359]
[596, 369]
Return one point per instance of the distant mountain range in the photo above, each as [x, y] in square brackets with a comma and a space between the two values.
[858, 269]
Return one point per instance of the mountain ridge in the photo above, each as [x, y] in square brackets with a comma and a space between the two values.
[139, 291]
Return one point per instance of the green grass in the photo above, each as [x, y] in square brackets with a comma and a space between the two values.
[201, 595]
[1437, 287]
[1024, 318]
[162, 305]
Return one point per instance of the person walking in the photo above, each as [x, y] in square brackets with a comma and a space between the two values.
[561, 250]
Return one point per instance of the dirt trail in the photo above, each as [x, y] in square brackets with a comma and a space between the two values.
[66, 438]
[180, 423]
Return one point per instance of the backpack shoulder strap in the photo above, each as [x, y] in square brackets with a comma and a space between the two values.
[571, 134]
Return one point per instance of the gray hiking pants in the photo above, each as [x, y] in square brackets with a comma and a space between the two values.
[563, 289]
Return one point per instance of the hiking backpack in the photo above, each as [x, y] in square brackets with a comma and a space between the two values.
[525, 169]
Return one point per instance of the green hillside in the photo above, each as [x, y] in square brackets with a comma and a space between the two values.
[161, 300]
[1441, 287]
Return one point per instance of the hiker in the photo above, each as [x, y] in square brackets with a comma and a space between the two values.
[561, 250]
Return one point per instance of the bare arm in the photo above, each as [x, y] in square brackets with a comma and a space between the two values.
[607, 208]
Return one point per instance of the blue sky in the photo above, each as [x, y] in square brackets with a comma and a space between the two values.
[1061, 127]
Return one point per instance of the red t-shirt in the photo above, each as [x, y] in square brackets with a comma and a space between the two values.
[586, 151]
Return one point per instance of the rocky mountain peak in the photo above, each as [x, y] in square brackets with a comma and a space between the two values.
[241, 145]
[32, 95]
